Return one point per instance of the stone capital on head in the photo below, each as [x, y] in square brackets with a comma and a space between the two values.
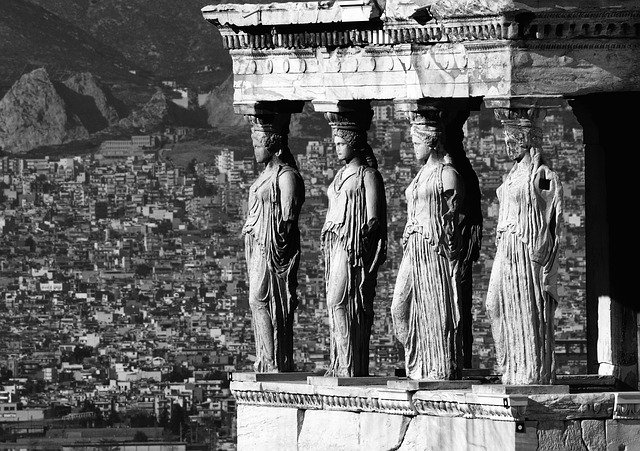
[356, 121]
[277, 123]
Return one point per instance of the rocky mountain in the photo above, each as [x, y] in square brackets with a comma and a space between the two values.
[168, 38]
[41, 112]
[33, 37]
[33, 113]
[160, 111]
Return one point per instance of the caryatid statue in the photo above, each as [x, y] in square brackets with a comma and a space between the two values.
[522, 295]
[354, 241]
[425, 306]
[272, 243]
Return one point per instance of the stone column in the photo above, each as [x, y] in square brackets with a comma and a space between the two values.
[454, 113]
[609, 131]
[354, 238]
[522, 294]
[272, 236]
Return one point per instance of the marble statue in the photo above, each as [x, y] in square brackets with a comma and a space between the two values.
[272, 244]
[354, 240]
[522, 295]
[425, 306]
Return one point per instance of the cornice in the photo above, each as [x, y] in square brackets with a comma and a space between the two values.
[526, 26]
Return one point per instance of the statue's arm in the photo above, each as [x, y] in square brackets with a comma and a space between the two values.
[376, 218]
[291, 196]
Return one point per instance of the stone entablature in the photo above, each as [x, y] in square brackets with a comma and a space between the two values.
[443, 403]
[290, 30]
[329, 54]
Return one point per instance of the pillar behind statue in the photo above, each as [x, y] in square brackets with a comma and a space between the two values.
[272, 243]
[354, 239]
[522, 295]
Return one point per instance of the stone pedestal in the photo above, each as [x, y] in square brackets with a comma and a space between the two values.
[409, 384]
[348, 381]
[521, 389]
[273, 377]
[297, 415]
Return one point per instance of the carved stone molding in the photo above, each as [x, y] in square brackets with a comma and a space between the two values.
[583, 24]
[501, 408]
[278, 399]
[442, 403]
[397, 402]
[627, 406]
[558, 26]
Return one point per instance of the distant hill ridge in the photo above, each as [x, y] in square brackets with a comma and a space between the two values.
[33, 37]
[167, 38]
[38, 111]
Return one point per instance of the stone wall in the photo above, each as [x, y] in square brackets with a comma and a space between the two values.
[301, 416]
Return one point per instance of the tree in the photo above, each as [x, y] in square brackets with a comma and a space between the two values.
[178, 422]
[140, 436]
[163, 421]
[164, 227]
[191, 167]
[114, 416]
[143, 270]
[89, 406]
[5, 374]
[141, 419]
[179, 374]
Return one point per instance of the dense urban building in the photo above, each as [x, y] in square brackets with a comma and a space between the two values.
[123, 287]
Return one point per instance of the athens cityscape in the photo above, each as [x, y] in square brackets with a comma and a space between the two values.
[160, 291]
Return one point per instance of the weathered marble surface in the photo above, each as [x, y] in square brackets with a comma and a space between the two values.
[529, 389]
[255, 14]
[354, 242]
[280, 424]
[272, 243]
[426, 307]
[284, 415]
[522, 295]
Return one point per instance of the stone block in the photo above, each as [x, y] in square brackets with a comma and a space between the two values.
[593, 435]
[323, 381]
[431, 433]
[379, 431]
[272, 377]
[329, 430]
[520, 389]
[409, 384]
[571, 406]
[560, 436]
[268, 428]
[623, 435]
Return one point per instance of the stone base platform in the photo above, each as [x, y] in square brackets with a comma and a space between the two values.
[521, 389]
[272, 377]
[296, 415]
[324, 381]
[410, 384]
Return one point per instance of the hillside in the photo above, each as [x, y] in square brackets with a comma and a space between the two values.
[167, 38]
[32, 37]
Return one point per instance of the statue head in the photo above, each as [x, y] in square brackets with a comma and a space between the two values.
[350, 137]
[521, 138]
[265, 144]
[269, 134]
[427, 135]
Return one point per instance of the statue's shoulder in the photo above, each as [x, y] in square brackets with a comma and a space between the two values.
[368, 171]
[289, 174]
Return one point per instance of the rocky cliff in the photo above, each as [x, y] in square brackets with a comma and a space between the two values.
[38, 111]
[33, 114]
